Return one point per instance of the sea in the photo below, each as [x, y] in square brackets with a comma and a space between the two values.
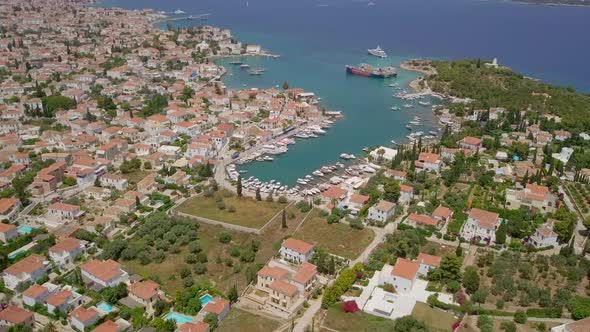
[317, 38]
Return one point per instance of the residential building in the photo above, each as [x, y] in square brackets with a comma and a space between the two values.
[29, 269]
[382, 211]
[295, 250]
[219, 307]
[61, 211]
[114, 180]
[401, 276]
[544, 235]
[470, 143]
[428, 162]
[146, 293]
[36, 294]
[9, 208]
[102, 274]
[82, 318]
[63, 301]
[14, 315]
[65, 251]
[406, 194]
[420, 220]
[427, 263]
[533, 197]
[7, 232]
[442, 214]
[481, 225]
[194, 327]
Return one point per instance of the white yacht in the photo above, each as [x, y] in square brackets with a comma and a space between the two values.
[378, 52]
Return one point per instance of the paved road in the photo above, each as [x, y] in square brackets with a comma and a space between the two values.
[307, 318]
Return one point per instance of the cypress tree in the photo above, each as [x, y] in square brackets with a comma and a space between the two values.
[258, 197]
[284, 219]
[239, 186]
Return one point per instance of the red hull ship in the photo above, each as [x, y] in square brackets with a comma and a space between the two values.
[370, 71]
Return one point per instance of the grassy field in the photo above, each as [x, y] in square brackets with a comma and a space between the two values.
[437, 320]
[248, 212]
[355, 322]
[135, 176]
[337, 239]
[221, 276]
[242, 321]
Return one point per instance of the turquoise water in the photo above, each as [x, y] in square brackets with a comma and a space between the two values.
[25, 229]
[14, 255]
[104, 306]
[316, 39]
[205, 299]
[178, 318]
[365, 103]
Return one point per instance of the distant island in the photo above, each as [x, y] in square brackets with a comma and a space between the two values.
[556, 2]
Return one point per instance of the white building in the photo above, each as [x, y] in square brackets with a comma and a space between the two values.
[387, 153]
[102, 274]
[564, 155]
[582, 325]
[296, 250]
[427, 263]
[381, 211]
[82, 318]
[66, 251]
[481, 225]
[544, 236]
[29, 269]
[7, 232]
[401, 276]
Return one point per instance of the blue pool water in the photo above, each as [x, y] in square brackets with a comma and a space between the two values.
[178, 318]
[25, 229]
[205, 299]
[13, 256]
[104, 306]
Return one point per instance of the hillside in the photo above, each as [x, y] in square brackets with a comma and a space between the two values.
[502, 87]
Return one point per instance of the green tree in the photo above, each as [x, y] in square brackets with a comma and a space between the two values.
[450, 267]
[459, 250]
[409, 324]
[232, 295]
[501, 234]
[239, 186]
[258, 197]
[285, 85]
[211, 319]
[471, 279]
[284, 219]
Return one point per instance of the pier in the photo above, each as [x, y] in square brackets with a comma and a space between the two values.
[200, 17]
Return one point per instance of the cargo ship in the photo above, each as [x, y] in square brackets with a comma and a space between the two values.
[370, 71]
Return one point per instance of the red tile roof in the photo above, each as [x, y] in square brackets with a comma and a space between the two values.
[420, 219]
[442, 212]
[27, 265]
[59, 298]
[405, 269]
[299, 246]
[6, 204]
[67, 244]
[107, 326]
[283, 288]
[63, 207]
[334, 192]
[144, 289]
[83, 315]
[193, 327]
[216, 307]
[15, 315]
[305, 273]
[430, 260]
[103, 270]
[484, 218]
[6, 227]
[35, 291]
[273, 272]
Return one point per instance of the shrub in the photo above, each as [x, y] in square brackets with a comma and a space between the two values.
[508, 326]
[200, 268]
[231, 209]
[520, 317]
[350, 306]
[235, 252]
[283, 200]
[225, 237]
[579, 307]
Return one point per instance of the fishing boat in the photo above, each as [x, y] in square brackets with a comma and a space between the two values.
[255, 71]
[395, 108]
[317, 173]
[178, 12]
[244, 66]
[347, 156]
[378, 52]
[408, 127]
[235, 63]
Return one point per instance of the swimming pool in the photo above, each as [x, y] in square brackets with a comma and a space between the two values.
[25, 229]
[178, 318]
[205, 299]
[13, 255]
[105, 306]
